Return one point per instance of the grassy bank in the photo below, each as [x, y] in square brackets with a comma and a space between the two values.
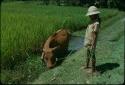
[110, 62]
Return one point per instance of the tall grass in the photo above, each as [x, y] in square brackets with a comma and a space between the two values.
[26, 26]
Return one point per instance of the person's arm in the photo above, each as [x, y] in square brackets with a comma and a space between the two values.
[94, 34]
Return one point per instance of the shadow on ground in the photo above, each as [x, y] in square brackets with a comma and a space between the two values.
[75, 43]
[107, 66]
[60, 60]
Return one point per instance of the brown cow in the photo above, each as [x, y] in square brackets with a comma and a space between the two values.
[56, 44]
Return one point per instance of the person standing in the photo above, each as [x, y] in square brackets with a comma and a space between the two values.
[91, 37]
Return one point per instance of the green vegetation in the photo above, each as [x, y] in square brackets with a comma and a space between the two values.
[110, 61]
[25, 27]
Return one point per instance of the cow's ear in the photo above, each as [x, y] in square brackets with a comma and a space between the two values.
[59, 30]
[56, 32]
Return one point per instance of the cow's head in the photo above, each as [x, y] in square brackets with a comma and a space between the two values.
[49, 59]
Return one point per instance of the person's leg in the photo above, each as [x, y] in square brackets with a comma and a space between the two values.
[87, 55]
[93, 63]
[93, 60]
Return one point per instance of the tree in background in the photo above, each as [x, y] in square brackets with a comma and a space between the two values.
[68, 2]
[97, 3]
[46, 2]
[120, 4]
[58, 2]
[90, 2]
[82, 2]
[111, 3]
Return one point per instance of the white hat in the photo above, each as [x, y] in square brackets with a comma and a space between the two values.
[92, 10]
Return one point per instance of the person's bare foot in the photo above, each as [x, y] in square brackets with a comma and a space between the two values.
[89, 71]
[95, 72]
[85, 67]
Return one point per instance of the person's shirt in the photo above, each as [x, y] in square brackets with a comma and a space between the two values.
[93, 27]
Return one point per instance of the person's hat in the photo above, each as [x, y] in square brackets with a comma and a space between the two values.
[92, 10]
